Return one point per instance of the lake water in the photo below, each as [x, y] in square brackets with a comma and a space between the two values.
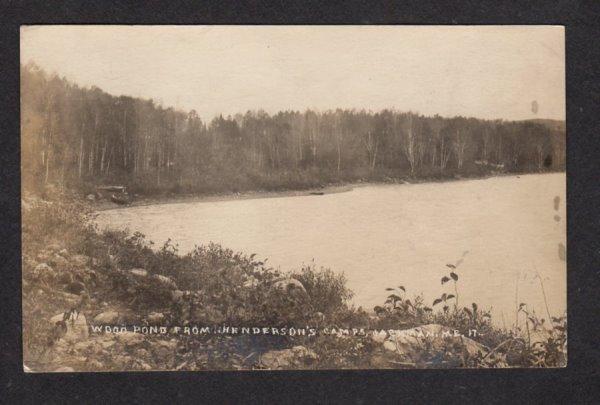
[500, 231]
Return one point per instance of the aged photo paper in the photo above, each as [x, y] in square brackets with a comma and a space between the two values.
[292, 197]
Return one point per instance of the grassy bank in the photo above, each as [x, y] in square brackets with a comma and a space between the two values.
[74, 272]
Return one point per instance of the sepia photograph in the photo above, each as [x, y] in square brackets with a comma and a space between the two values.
[204, 198]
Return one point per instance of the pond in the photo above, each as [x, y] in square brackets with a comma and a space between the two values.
[500, 232]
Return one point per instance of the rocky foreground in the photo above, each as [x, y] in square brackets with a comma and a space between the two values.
[96, 301]
[90, 333]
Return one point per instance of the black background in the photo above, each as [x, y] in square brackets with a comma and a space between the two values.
[577, 383]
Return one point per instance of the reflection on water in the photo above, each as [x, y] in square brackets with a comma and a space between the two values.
[500, 231]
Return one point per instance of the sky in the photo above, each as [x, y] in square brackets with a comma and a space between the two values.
[490, 72]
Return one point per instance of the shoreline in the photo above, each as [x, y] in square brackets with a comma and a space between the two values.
[259, 194]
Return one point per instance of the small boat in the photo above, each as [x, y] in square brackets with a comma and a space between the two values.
[317, 193]
[123, 199]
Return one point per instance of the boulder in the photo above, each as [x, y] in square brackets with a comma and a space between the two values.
[139, 272]
[77, 327]
[156, 318]
[43, 272]
[290, 286]
[177, 295]
[298, 357]
[166, 281]
[130, 338]
[107, 318]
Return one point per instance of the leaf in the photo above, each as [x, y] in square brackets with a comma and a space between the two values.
[468, 311]
[427, 309]
[444, 297]
[450, 296]
[402, 288]
[409, 303]
[474, 307]
[445, 279]
[446, 308]
[451, 266]
[521, 305]
[389, 289]
[436, 301]
[394, 297]
[454, 276]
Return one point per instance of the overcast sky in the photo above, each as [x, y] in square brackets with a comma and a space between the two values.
[486, 72]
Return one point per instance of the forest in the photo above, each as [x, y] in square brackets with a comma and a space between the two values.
[78, 138]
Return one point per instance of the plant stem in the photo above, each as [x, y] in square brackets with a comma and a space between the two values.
[545, 300]
[455, 296]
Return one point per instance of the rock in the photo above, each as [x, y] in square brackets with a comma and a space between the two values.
[130, 338]
[64, 253]
[80, 260]
[59, 261]
[107, 318]
[77, 327]
[389, 345]
[177, 295]
[107, 343]
[289, 285]
[43, 272]
[167, 281]
[156, 318]
[64, 370]
[139, 272]
[75, 287]
[142, 365]
[295, 358]
[90, 197]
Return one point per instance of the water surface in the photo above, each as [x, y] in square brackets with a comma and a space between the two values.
[501, 231]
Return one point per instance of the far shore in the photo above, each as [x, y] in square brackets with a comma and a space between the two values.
[256, 194]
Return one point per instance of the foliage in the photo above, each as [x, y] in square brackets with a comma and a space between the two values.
[82, 137]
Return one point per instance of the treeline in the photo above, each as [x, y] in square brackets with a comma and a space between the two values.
[80, 137]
